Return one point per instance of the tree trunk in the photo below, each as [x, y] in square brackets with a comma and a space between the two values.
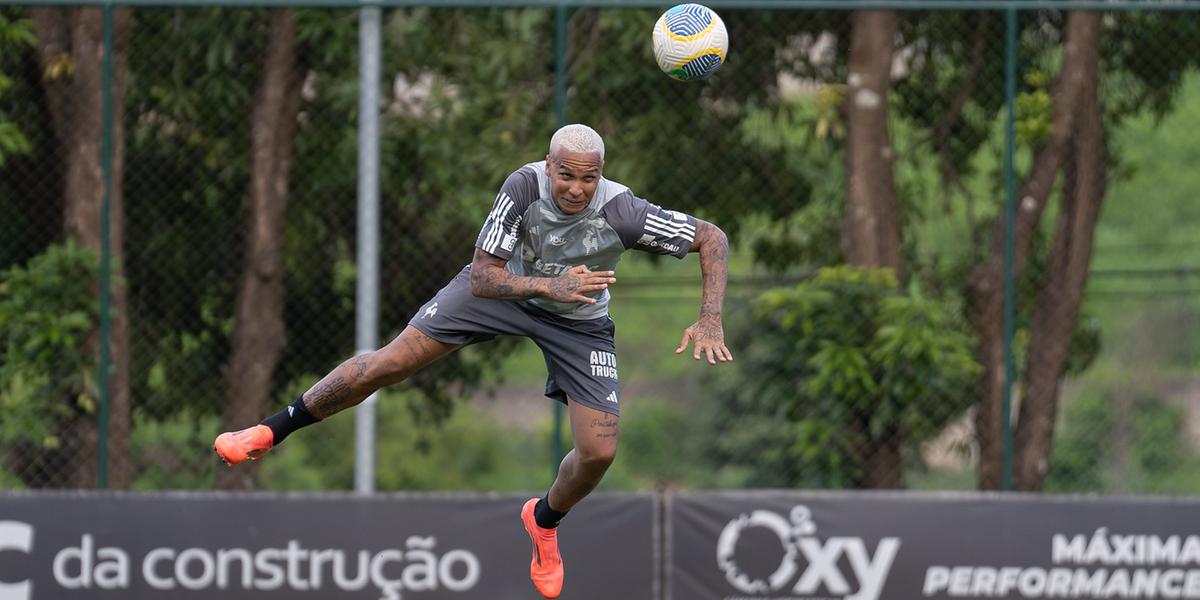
[258, 337]
[883, 467]
[871, 226]
[71, 54]
[1056, 311]
[985, 286]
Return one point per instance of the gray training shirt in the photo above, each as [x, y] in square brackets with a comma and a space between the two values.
[539, 240]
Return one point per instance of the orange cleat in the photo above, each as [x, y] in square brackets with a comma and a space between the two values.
[236, 446]
[546, 568]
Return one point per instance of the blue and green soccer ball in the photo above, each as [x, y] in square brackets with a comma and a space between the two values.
[690, 42]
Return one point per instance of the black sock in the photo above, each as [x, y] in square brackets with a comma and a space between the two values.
[546, 517]
[289, 419]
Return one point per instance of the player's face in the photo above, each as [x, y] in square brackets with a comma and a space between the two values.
[573, 178]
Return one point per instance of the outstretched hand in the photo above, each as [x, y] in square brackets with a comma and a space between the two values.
[573, 283]
[708, 338]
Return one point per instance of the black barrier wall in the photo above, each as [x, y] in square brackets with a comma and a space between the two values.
[765, 545]
[66, 546]
[894, 546]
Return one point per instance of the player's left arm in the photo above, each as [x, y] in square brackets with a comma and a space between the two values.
[707, 334]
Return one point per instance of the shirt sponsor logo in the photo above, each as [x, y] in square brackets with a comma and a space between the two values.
[549, 268]
[558, 240]
[604, 364]
[648, 240]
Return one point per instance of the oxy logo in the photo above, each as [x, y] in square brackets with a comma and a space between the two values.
[18, 537]
[802, 548]
[431, 311]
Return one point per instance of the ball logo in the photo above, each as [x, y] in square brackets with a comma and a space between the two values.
[18, 537]
[811, 563]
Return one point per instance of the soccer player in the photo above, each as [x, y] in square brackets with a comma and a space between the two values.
[542, 267]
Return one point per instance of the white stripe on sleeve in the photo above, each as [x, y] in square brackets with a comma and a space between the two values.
[670, 224]
[500, 213]
[670, 229]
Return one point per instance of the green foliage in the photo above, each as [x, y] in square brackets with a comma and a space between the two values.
[47, 311]
[707, 148]
[1143, 59]
[664, 443]
[1081, 448]
[1034, 110]
[798, 131]
[469, 96]
[470, 450]
[467, 450]
[1104, 446]
[834, 367]
[954, 54]
[170, 452]
[9, 481]
[197, 82]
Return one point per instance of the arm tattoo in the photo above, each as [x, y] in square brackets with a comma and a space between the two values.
[714, 268]
[491, 280]
[360, 366]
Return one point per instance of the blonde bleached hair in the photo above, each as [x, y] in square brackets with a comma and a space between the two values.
[577, 137]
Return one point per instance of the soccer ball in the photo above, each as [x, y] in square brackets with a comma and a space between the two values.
[690, 42]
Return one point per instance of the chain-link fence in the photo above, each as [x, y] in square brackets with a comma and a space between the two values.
[830, 142]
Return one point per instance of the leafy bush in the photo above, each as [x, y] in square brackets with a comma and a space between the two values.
[834, 370]
[1112, 444]
[47, 310]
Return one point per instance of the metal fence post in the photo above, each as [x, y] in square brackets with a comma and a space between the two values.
[105, 250]
[367, 285]
[560, 111]
[1010, 214]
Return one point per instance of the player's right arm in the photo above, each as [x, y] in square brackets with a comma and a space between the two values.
[490, 279]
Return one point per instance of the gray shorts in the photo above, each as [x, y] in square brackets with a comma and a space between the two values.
[581, 358]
